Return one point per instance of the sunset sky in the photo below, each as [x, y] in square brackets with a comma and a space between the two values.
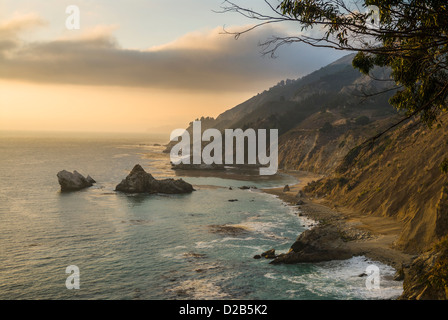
[134, 65]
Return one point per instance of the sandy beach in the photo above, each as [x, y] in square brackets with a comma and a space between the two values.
[370, 236]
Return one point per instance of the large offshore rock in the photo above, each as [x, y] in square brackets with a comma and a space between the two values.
[139, 181]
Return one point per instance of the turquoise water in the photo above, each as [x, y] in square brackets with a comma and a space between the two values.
[150, 246]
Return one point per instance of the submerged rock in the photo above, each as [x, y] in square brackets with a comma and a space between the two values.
[73, 181]
[194, 255]
[247, 187]
[139, 181]
[362, 275]
[234, 230]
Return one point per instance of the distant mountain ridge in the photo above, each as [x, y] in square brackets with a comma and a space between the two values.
[337, 77]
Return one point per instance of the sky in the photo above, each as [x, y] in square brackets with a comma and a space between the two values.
[135, 65]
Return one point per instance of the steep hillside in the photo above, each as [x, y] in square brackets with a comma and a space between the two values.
[288, 90]
[320, 143]
[399, 176]
[320, 116]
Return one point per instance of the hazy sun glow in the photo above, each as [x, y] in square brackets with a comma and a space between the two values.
[27, 106]
[125, 72]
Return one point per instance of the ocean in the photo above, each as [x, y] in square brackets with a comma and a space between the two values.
[151, 247]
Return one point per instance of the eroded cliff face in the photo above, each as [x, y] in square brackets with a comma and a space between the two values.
[399, 176]
[320, 144]
[315, 151]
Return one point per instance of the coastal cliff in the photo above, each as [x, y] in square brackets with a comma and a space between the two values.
[393, 187]
[399, 177]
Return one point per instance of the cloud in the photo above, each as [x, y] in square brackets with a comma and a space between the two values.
[12, 28]
[205, 60]
[19, 23]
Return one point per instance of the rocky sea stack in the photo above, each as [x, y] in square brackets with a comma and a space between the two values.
[139, 181]
[321, 243]
[73, 181]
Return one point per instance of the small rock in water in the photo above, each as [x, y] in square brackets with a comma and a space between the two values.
[194, 255]
[270, 254]
[247, 187]
[286, 189]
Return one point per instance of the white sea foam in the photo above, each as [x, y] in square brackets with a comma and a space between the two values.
[342, 279]
[206, 244]
[272, 276]
[229, 243]
[226, 239]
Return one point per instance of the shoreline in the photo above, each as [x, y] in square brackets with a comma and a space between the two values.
[340, 232]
